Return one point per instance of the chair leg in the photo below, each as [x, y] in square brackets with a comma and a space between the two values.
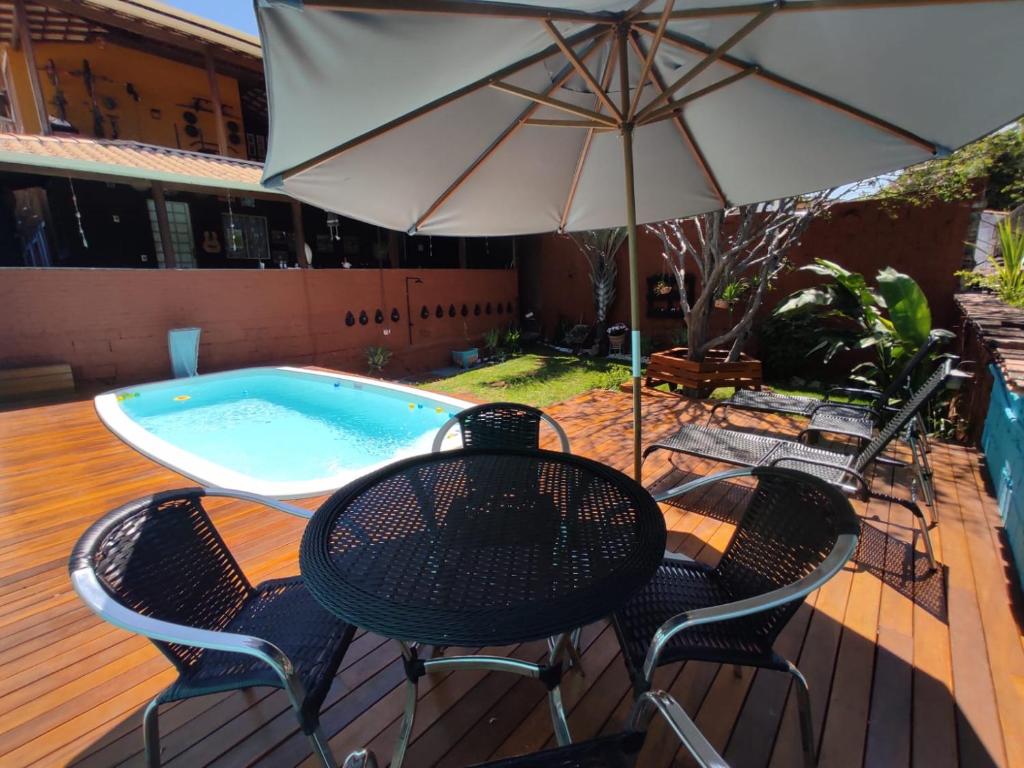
[803, 701]
[151, 733]
[322, 749]
[921, 469]
[923, 525]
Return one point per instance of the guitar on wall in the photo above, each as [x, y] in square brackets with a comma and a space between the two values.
[211, 242]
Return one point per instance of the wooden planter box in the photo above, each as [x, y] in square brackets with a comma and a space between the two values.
[671, 367]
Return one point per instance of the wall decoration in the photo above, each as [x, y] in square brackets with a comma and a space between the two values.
[464, 311]
[487, 308]
[395, 317]
[363, 318]
[424, 313]
[451, 310]
[378, 317]
[501, 308]
[439, 312]
[350, 319]
[509, 307]
[476, 310]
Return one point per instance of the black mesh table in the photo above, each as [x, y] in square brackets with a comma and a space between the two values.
[482, 547]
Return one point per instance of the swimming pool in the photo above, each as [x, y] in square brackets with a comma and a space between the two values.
[282, 432]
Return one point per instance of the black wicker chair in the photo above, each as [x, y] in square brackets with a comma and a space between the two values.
[618, 750]
[158, 567]
[796, 533]
[500, 425]
[843, 470]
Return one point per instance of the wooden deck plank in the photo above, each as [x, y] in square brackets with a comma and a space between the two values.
[890, 664]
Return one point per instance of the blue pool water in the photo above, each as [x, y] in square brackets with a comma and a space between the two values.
[284, 425]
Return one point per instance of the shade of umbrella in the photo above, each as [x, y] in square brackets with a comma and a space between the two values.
[469, 117]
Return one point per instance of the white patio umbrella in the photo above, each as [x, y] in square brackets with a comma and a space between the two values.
[470, 117]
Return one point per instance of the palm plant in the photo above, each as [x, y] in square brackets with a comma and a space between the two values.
[599, 247]
[1007, 275]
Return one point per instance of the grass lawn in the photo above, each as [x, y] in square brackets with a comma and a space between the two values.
[538, 378]
[542, 377]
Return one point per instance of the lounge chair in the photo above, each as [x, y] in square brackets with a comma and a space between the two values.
[617, 750]
[500, 425]
[853, 420]
[158, 567]
[843, 470]
[796, 532]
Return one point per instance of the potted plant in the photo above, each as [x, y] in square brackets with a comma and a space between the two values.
[617, 337]
[731, 293]
[662, 287]
[376, 359]
[464, 358]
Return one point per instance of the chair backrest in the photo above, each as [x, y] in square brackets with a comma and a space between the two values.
[501, 425]
[161, 557]
[904, 377]
[895, 424]
[792, 523]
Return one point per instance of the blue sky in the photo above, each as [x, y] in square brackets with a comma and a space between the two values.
[234, 13]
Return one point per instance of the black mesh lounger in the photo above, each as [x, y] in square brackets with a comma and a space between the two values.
[845, 470]
[619, 750]
[852, 420]
[158, 567]
[500, 425]
[796, 532]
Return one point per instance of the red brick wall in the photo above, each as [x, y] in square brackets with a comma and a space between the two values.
[925, 243]
[111, 325]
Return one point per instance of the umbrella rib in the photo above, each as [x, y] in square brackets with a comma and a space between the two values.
[606, 78]
[461, 8]
[522, 118]
[674, 106]
[544, 123]
[707, 61]
[648, 60]
[581, 68]
[681, 41]
[684, 132]
[798, 6]
[401, 120]
[558, 104]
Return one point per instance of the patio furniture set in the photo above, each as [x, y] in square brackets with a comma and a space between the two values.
[495, 544]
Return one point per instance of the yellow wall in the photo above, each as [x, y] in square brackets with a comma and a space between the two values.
[161, 84]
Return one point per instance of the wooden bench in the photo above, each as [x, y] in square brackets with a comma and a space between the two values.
[36, 381]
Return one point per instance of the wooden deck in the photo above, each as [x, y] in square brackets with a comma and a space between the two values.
[904, 669]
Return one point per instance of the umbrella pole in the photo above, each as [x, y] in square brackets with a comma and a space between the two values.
[634, 290]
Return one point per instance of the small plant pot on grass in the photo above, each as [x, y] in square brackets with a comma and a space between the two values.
[617, 338]
[466, 358]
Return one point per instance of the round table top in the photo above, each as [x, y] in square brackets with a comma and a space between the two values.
[482, 547]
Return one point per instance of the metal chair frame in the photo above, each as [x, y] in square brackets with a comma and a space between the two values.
[646, 706]
[842, 551]
[89, 588]
[457, 419]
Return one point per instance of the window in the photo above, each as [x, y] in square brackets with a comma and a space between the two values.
[180, 223]
[245, 236]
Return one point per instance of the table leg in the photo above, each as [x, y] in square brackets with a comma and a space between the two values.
[409, 716]
[558, 721]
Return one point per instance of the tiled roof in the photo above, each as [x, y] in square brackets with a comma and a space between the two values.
[126, 159]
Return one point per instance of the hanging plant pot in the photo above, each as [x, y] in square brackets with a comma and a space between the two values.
[501, 308]
[476, 310]
[464, 311]
[350, 319]
[378, 318]
[439, 312]
[424, 313]
[395, 317]
[509, 307]
[721, 304]
[451, 310]
[363, 318]
[487, 308]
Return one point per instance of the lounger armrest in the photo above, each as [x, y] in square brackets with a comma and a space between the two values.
[864, 392]
[854, 406]
[837, 558]
[255, 498]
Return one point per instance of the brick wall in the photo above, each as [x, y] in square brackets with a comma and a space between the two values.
[925, 243]
[111, 325]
